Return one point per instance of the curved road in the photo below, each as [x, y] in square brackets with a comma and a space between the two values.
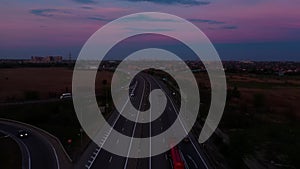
[37, 151]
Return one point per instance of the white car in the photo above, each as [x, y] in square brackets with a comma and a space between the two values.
[65, 96]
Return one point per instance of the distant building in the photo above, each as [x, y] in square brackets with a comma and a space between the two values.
[281, 73]
[46, 59]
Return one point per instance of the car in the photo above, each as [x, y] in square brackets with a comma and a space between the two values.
[186, 139]
[2, 135]
[23, 134]
[65, 96]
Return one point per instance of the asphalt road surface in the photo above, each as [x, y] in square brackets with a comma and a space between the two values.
[37, 152]
[98, 158]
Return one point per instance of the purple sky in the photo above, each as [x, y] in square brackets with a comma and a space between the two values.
[240, 29]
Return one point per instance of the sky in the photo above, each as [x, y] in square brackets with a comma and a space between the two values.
[239, 29]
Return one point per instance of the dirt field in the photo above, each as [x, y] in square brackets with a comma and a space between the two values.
[46, 82]
[281, 94]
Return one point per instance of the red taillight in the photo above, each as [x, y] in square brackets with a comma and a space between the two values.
[176, 158]
[178, 165]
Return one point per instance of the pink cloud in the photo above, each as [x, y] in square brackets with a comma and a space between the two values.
[70, 24]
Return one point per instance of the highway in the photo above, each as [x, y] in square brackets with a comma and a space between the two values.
[97, 158]
[37, 151]
[191, 150]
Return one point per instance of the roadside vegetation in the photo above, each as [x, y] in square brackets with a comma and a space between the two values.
[262, 122]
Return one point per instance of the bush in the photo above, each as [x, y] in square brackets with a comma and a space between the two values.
[31, 95]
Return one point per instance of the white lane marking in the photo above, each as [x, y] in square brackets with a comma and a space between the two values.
[56, 157]
[193, 161]
[98, 149]
[28, 153]
[171, 163]
[110, 159]
[182, 123]
[183, 158]
[137, 116]
[23, 144]
[150, 131]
